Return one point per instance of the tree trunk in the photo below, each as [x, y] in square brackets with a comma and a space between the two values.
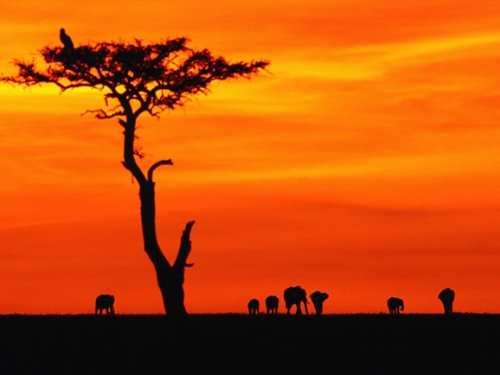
[170, 277]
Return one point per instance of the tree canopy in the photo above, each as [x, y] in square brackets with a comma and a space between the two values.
[142, 77]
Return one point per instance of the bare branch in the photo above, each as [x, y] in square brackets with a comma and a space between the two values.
[102, 114]
[156, 165]
[185, 247]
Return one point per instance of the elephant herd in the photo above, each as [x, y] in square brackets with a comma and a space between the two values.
[294, 296]
[447, 296]
[272, 303]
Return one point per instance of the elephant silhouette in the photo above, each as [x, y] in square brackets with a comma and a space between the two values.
[317, 299]
[105, 302]
[294, 295]
[272, 303]
[253, 307]
[394, 304]
[447, 296]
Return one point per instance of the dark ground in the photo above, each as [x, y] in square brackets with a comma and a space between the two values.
[343, 344]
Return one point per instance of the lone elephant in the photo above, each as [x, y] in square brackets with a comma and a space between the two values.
[447, 296]
[105, 302]
[272, 303]
[253, 306]
[395, 304]
[317, 299]
[294, 295]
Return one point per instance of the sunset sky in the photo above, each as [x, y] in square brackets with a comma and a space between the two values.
[365, 163]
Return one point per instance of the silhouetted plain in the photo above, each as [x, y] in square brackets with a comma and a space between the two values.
[257, 344]
[395, 305]
[272, 303]
[105, 302]
[253, 306]
[447, 296]
[317, 299]
[295, 295]
[138, 79]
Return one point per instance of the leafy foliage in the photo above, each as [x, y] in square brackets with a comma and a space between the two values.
[142, 77]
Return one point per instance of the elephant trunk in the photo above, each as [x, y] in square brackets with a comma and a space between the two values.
[305, 306]
[402, 307]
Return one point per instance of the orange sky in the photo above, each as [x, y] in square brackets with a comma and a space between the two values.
[366, 164]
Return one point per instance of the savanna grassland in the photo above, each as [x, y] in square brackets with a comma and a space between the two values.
[357, 344]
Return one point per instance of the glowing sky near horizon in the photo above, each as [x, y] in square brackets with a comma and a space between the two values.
[364, 164]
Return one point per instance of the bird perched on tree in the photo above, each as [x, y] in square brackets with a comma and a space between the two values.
[66, 40]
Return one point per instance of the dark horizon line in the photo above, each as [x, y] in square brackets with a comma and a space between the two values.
[242, 314]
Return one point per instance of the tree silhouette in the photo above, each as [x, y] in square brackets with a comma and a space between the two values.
[138, 78]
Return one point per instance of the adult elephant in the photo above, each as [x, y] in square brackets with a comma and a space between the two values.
[294, 295]
[317, 299]
[272, 303]
[447, 296]
[105, 302]
[253, 306]
[395, 304]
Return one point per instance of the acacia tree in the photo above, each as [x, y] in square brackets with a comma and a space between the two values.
[138, 78]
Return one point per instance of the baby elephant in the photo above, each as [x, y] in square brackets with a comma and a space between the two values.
[253, 306]
[395, 305]
[105, 302]
[272, 303]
